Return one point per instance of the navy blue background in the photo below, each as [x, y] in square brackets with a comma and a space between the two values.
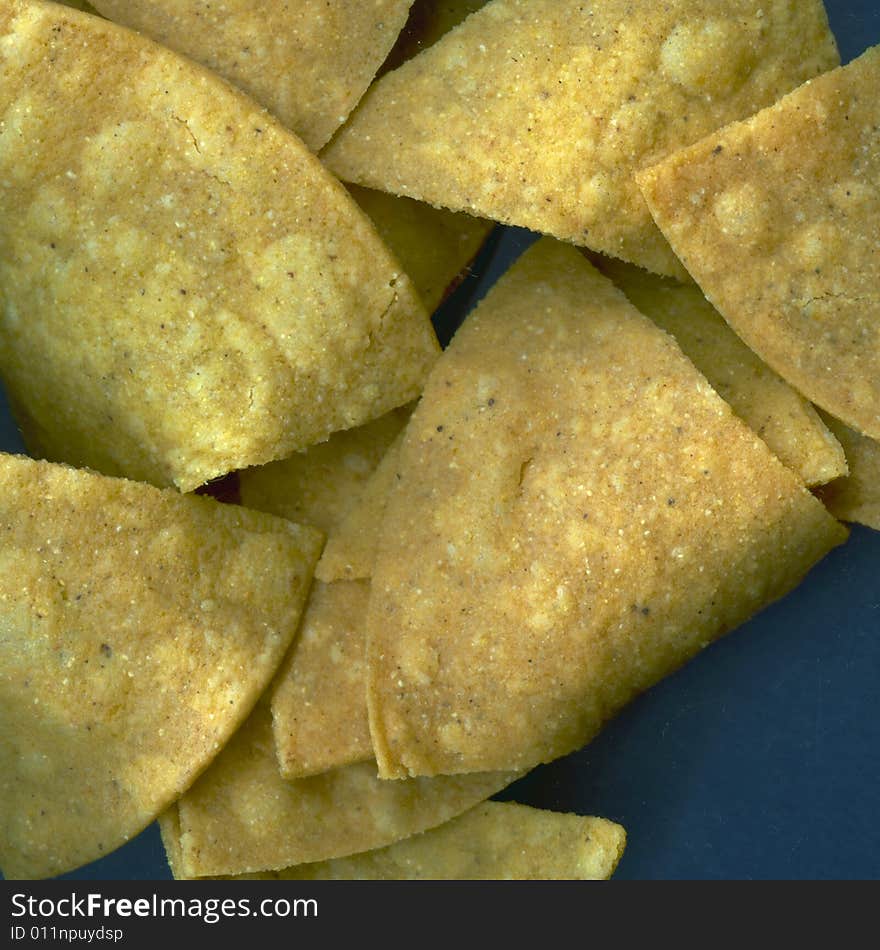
[757, 760]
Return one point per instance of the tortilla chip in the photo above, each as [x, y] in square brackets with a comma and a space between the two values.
[350, 552]
[241, 816]
[139, 628]
[578, 513]
[320, 485]
[308, 61]
[612, 87]
[778, 220]
[789, 424]
[428, 20]
[857, 497]
[319, 705]
[433, 245]
[494, 841]
[199, 294]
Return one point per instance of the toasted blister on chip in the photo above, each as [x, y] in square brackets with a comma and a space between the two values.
[321, 484]
[778, 220]
[855, 498]
[350, 551]
[319, 703]
[577, 513]
[308, 61]
[494, 841]
[611, 87]
[242, 816]
[139, 627]
[433, 245]
[786, 421]
[199, 293]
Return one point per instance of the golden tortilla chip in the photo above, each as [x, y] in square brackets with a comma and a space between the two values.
[433, 245]
[138, 629]
[539, 113]
[198, 294]
[350, 551]
[494, 841]
[778, 220]
[428, 20]
[578, 513]
[789, 424]
[241, 816]
[857, 497]
[308, 61]
[320, 485]
[319, 705]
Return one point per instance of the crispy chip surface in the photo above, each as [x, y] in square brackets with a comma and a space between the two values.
[577, 514]
[538, 113]
[308, 61]
[319, 705]
[320, 485]
[350, 551]
[138, 629]
[789, 424]
[494, 841]
[241, 816]
[197, 291]
[856, 497]
[433, 245]
[778, 220]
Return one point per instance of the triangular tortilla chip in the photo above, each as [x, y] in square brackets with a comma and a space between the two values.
[433, 245]
[495, 841]
[350, 551]
[321, 484]
[319, 704]
[778, 220]
[789, 424]
[199, 294]
[241, 816]
[308, 61]
[539, 113]
[138, 629]
[857, 497]
[577, 514]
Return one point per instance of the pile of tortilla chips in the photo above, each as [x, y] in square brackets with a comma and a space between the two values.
[446, 568]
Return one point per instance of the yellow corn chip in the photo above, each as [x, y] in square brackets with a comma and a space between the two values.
[197, 291]
[494, 841]
[538, 113]
[241, 816]
[138, 629]
[857, 497]
[433, 245]
[789, 424]
[428, 20]
[350, 551]
[778, 220]
[320, 485]
[308, 61]
[319, 705]
[577, 514]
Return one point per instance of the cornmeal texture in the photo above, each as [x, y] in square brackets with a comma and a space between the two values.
[199, 293]
[307, 61]
[856, 497]
[241, 816]
[778, 220]
[137, 629]
[494, 841]
[577, 514]
[789, 424]
[319, 705]
[539, 112]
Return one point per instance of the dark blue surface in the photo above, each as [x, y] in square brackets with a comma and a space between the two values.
[757, 760]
